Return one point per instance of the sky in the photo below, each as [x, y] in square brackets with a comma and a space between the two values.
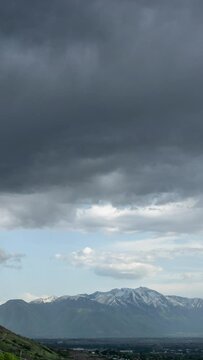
[101, 150]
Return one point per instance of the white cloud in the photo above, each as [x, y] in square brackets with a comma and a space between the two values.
[168, 259]
[111, 264]
[133, 270]
[180, 217]
[57, 211]
[166, 247]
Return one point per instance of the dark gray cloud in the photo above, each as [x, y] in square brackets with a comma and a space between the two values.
[102, 99]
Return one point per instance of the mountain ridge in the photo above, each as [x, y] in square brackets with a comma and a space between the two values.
[121, 312]
[142, 291]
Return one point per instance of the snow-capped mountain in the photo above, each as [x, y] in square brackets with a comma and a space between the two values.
[141, 296]
[144, 296]
[125, 296]
[185, 302]
[116, 313]
[44, 300]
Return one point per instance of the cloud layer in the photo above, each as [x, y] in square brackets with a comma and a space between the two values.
[115, 265]
[52, 209]
[166, 259]
[101, 104]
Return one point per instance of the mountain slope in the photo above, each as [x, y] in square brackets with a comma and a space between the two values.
[116, 313]
[23, 347]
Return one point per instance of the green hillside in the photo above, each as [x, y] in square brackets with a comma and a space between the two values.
[23, 347]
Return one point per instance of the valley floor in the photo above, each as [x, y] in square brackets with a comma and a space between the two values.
[117, 355]
[129, 349]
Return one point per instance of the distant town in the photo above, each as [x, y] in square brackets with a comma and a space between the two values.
[128, 349]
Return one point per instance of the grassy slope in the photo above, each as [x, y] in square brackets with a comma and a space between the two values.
[23, 347]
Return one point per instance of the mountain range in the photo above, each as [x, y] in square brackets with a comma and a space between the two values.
[125, 312]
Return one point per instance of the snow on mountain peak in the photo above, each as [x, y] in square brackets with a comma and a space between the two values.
[127, 296]
[44, 300]
[179, 301]
[138, 297]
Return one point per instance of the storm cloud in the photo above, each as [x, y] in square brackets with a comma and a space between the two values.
[101, 102]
